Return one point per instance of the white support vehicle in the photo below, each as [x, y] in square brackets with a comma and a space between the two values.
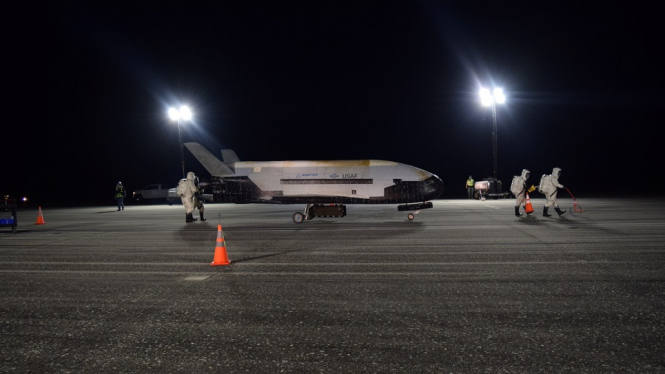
[151, 193]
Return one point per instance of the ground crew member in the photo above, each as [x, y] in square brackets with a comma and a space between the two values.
[198, 198]
[187, 191]
[120, 194]
[519, 188]
[469, 186]
[548, 186]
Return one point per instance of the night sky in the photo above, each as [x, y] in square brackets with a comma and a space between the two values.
[321, 80]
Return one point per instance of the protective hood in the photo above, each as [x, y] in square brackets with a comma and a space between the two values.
[556, 173]
[525, 174]
[191, 176]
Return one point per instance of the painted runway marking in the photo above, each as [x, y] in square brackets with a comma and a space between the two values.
[198, 277]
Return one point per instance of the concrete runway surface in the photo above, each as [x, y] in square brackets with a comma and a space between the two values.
[466, 287]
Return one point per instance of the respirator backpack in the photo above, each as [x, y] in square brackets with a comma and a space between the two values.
[516, 187]
[182, 187]
[544, 181]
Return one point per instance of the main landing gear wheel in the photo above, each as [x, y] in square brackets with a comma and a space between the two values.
[298, 217]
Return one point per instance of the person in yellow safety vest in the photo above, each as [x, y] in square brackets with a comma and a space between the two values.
[469, 186]
[120, 195]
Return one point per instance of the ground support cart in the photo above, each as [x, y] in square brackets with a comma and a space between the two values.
[8, 205]
[489, 188]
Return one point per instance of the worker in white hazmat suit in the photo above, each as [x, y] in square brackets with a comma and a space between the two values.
[519, 188]
[198, 199]
[548, 186]
[188, 191]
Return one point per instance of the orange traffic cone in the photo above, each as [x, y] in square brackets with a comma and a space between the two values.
[529, 207]
[221, 258]
[40, 217]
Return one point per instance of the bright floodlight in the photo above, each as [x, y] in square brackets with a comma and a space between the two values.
[174, 114]
[185, 113]
[499, 97]
[485, 97]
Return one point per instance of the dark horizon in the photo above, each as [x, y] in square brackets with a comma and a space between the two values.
[374, 80]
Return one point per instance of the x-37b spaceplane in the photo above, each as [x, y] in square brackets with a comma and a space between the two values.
[324, 186]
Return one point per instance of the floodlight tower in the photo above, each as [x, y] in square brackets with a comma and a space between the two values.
[491, 99]
[185, 114]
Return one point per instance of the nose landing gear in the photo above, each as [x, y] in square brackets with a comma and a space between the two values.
[412, 216]
[298, 217]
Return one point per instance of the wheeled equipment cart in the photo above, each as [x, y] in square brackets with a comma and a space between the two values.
[9, 206]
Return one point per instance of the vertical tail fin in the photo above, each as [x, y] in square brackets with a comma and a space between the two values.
[228, 155]
[215, 167]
